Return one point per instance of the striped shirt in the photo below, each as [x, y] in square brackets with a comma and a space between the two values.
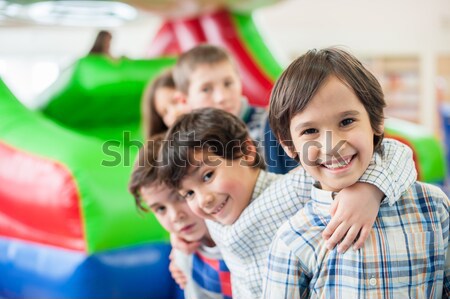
[245, 244]
[405, 255]
[207, 274]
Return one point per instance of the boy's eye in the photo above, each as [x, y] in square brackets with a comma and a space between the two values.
[228, 83]
[309, 131]
[347, 122]
[159, 210]
[207, 176]
[188, 195]
[206, 89]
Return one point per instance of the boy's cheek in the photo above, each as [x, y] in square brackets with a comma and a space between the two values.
[164, 223]
[196, 209]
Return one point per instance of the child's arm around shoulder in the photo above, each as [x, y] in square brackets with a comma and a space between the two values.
[393, 171]
[390, 173]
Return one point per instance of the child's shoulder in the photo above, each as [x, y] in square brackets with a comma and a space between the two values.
[425, 191]
[425, 201]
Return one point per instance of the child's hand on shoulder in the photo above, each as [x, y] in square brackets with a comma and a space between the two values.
[353, 212]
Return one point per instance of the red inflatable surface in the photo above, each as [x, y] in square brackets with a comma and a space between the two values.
[51, 215]
[216, 28]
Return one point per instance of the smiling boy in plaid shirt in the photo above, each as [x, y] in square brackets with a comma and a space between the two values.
[335, 125]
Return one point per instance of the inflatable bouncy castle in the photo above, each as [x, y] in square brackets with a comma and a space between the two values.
[68, 227]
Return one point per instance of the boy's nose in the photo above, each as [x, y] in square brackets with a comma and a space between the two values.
[178, 215]
[333, 144]
[206, 201]
[220, 95]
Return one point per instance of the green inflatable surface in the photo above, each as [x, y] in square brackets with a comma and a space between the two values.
[428, 151]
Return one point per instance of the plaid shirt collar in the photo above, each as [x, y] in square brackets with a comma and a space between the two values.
[322, 200]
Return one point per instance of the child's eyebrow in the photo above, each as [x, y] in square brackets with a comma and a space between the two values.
[349, 113]
[302, 125]
[154, 205]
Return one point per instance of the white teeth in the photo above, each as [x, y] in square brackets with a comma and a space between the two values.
[219, 208]
[338, 164]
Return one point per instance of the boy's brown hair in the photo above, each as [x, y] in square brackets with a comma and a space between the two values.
[305, 76]
[214, 132]
[145, 170]
[152, 121]
[190, 60]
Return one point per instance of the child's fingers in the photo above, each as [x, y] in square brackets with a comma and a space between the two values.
[362, 237]
[349, 239]
[338, 235]
[334, 206]
[177, 274]
[331, 227]
[181, 281]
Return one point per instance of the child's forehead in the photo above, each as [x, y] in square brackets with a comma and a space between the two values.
[155, 192]
[212, 66]
[199, 158]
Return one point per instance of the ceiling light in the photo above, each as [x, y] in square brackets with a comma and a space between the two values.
[81, 13]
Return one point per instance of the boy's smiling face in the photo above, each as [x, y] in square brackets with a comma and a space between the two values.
[215, 85]
[218, 189]
[333, 136]
[173, 213]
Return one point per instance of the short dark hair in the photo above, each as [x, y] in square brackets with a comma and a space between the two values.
[191, 59]
[152, 121]
[145, 170]
[306, 75]
[212, 130]
[100, 46]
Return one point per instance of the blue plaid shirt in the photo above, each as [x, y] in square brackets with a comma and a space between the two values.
[405, 255]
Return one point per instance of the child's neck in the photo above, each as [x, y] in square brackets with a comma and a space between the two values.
[319, 186]
[208, 241]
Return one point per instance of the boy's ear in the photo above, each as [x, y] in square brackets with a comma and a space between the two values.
[250, 152]
[292, 154]
[381, 128]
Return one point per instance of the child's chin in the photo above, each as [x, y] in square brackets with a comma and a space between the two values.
[192, 238]
[228, 221]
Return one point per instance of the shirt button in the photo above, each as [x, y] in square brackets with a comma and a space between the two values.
[373, 281]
